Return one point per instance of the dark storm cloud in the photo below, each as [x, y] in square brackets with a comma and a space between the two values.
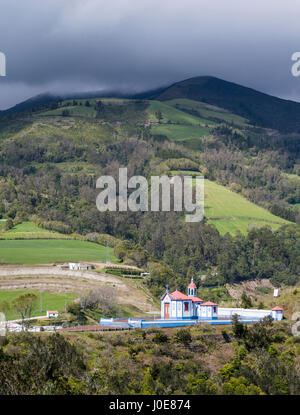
[81, 45]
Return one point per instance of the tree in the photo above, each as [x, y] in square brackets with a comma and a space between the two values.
[239, 329]
[159, 116]
[4, 307]
[246, 301]
[8, 224]
[99, 106]
[24, 305]
[65, 113]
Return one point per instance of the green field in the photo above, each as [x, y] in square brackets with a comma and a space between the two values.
[182, 133]
[173, 115]
[82, 131]
[28, 230]
[74, 111]
[50, 301]
[231, 212]
[46, 251]
[209, 112]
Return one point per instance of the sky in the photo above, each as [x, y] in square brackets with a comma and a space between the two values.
[63, 46]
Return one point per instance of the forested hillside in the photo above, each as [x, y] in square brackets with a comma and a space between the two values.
[52, 154]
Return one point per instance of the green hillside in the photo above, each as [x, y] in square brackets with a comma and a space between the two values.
[172, 114]
[259, 108]
[188, 135]
[27, 230]
[211, 113]
[231, 212]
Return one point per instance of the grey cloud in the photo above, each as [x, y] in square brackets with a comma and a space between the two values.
[75, 45]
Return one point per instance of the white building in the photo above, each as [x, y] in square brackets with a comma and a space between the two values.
[177, 305]
[75, 266]
[52, 314]
[277, 313]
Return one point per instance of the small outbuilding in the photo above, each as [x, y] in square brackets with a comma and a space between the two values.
[74, 266]
[277, 313]
[52, 314]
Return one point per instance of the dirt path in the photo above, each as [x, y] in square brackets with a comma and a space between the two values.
[97, 276]
[52, 278]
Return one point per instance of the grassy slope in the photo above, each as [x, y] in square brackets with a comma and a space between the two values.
[79, 130]
[260, 108]
[178, 125]
[26, 230]
[208, 111]
[188, 127]
[50, 301]
[231, 212]
[172, 114]
[44, 251]
[182, 133]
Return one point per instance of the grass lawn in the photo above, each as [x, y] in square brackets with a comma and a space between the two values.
[50, 301]
[45, 251]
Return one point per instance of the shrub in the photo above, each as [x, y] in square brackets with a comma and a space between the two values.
[183, 336]
[160, 337]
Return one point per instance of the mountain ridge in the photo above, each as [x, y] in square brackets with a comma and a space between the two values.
[259, 108]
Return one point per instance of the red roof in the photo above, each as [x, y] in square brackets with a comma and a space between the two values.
[177, 295]
[196, 300]
[277, 308]
[192, 285]
[209, 303]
